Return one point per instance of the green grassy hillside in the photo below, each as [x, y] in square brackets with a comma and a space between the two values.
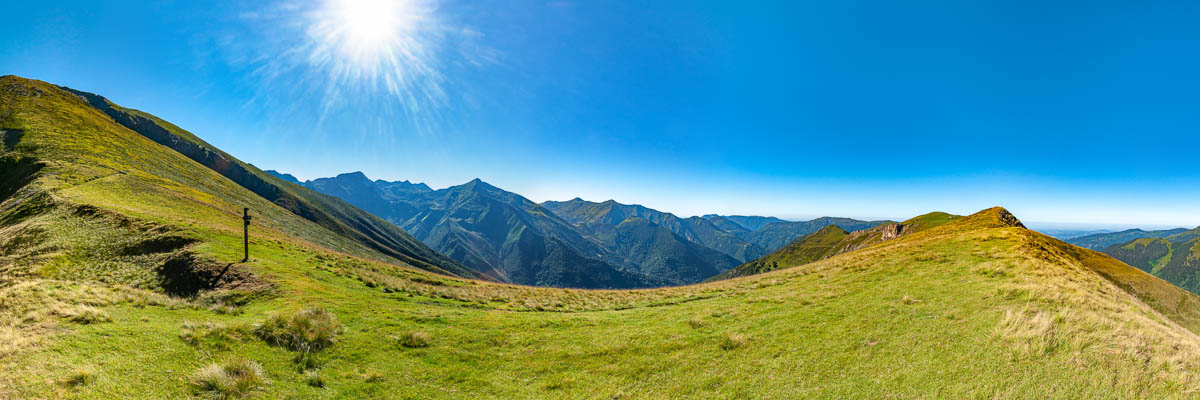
[124, 159]
[101, 229]
[1101, 241]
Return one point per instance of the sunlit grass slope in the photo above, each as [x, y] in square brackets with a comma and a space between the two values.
[125, 160]
[976, 307]
[831, 241]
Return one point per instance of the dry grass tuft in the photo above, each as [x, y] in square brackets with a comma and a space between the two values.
[82, 314]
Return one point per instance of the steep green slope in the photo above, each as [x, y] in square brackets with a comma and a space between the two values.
[1101, 241]
[833, 240]
[1174, 258]
[495, 232]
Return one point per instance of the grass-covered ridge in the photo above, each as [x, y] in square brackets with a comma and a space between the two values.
[974, 307]
[831, 241]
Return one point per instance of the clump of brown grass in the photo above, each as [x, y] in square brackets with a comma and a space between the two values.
[82, 314]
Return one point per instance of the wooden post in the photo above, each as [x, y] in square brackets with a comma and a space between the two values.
[246, 233]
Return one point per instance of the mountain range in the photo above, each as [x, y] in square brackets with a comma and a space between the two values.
[510, 238]
[1174, 257]
[1101, 241]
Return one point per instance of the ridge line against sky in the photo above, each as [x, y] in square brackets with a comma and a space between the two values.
[1080, 112]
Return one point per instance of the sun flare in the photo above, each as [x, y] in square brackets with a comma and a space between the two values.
[379, 40]
[367, 29]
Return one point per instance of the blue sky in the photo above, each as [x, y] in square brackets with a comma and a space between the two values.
[1073, 112]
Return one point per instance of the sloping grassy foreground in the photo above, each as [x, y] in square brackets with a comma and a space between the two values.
[976, 307]
[993, 312]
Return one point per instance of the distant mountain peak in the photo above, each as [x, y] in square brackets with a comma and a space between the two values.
[287, 177]
[358, 175]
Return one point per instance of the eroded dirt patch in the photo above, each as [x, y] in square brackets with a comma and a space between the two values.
[187, 274]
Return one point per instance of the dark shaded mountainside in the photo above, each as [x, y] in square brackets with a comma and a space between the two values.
[655, 242]
[728, 235]
[833, 240]
[497, 233]
[773, 233]
[506, 236]
[511, 238]
[1174, 258]
[76, 147]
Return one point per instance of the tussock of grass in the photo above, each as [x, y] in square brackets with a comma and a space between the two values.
[734, 340]
[305, 331]
[81, 377]
[414, 340]
[312, 378]
[233, 379]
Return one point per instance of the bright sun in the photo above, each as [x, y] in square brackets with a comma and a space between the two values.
[371, 38]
